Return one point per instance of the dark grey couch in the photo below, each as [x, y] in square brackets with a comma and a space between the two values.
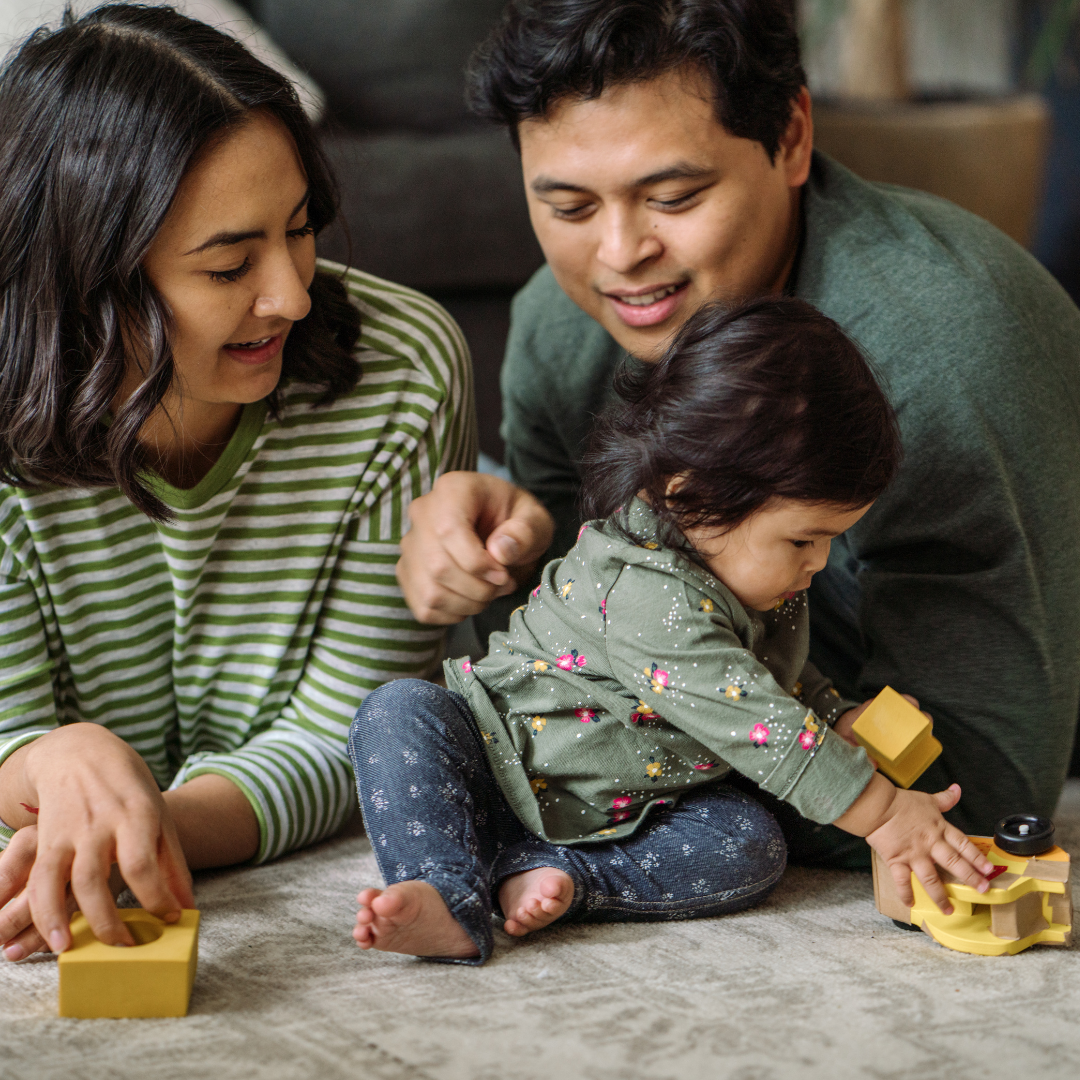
[431, 197]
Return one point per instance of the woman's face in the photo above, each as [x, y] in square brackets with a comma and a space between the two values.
[234, 260]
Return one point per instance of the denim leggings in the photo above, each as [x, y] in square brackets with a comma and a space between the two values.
[434, 812]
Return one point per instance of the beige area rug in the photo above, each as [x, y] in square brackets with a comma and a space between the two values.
[813, 984]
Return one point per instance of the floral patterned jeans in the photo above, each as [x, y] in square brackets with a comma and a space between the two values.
[434, 812]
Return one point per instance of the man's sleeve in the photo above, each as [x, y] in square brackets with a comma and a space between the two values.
[694, 672]
[968, 579]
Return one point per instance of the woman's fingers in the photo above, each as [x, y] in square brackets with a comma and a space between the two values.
[46, 889]
[138, 854]
[90, 872]
[16, 862]
[15, 920]
[174, 867]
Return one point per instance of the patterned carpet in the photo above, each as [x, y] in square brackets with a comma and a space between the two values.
[813, 985]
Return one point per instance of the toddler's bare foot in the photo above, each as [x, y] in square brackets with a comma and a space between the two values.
[410, 917]
[534, 899]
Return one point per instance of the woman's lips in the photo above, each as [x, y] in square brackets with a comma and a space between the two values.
[255, 354]
[648, 314]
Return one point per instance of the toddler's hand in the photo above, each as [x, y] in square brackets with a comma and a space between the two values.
[914, 837]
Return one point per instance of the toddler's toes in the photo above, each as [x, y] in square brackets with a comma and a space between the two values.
[535, 899]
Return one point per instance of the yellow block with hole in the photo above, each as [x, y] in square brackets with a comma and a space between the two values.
[897, 736]
[151, 978]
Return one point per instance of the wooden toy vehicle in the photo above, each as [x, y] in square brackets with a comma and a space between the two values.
[1029, 901]
[898, 737]
[152, 978]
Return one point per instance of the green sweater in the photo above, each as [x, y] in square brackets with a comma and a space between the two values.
[962, 584]
[633, 674]
[240, 637]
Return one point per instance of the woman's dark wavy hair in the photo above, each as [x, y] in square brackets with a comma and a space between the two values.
[99, 120]
[546, 50]
[769, 400]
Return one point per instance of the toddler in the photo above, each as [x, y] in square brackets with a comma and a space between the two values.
[576, 772]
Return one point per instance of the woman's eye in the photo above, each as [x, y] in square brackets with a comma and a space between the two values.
[307, 229]
[230, 275]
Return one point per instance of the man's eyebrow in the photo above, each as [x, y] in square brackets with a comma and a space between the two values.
[227, 239]
[681, 170]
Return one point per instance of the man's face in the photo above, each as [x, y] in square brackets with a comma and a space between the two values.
[646, 207]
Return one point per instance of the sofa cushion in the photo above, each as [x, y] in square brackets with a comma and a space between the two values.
[384, 64]
[437, 212]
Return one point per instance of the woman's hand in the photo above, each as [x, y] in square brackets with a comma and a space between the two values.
[907, 830]
[97, 805]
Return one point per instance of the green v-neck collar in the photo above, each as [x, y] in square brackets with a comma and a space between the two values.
[224, 469]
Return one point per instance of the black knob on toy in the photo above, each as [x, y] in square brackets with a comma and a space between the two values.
[1024, 834]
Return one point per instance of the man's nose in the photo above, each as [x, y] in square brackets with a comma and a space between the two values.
[626, 241]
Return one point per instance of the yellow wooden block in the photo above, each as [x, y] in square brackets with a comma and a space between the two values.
[897, 736]
[152, 978]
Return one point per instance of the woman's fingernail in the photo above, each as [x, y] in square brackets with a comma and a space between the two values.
[14, 952]
[57, 941]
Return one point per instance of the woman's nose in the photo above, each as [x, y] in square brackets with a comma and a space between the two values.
[283, 294]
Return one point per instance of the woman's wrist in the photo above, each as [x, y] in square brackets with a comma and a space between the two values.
[871, 809]
[18, 794]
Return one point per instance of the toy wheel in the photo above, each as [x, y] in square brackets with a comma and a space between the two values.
[907, 926]
[1024, 834]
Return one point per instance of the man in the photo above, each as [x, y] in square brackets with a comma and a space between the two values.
[666, 147]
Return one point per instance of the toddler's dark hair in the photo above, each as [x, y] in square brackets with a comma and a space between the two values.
[769, 400]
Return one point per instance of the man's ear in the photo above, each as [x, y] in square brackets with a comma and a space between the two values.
[797, 142]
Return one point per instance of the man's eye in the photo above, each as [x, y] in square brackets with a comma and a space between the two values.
[571, 213]
[230, 275]
[678, 202]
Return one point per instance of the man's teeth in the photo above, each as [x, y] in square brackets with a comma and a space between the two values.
[250, 344]
[649, 298]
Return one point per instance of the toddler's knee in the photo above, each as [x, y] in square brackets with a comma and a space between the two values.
[407, 710]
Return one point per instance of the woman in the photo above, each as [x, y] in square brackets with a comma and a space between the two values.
[209, 443]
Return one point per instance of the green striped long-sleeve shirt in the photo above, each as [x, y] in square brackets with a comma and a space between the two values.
[239, 638]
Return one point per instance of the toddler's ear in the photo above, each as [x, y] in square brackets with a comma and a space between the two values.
[674, 483]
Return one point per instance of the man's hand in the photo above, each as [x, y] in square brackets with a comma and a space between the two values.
[473, 538]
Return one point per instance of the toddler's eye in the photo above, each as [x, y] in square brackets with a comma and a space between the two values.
[802, 543]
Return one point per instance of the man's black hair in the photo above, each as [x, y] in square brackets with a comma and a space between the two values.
[543, 51]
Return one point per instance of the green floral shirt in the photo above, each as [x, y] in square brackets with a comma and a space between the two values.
[633, 675]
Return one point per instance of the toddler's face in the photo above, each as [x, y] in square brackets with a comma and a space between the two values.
[774, 553]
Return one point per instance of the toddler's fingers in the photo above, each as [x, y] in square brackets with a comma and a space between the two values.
[948, 798]
[961, 868]
[927, 874]
[967, 850]
[901, 874]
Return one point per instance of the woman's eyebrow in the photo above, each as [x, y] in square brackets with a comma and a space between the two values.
[227, 239]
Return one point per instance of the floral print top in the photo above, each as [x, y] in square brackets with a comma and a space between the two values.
[633, 674]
